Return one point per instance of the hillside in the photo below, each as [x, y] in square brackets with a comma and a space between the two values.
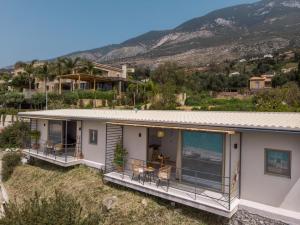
[230, 33]
[87, 186]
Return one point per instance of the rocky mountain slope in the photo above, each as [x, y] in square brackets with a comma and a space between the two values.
[230, 33]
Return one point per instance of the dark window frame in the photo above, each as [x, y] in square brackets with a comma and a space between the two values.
[93, 142]
[289, 175]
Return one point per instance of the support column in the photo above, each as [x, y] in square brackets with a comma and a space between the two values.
[59, 88]
[179, 155]
[66, 140]
[78, 87]
[120, 87]
[94, 84]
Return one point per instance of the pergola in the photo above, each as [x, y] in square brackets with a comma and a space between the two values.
[90, 78]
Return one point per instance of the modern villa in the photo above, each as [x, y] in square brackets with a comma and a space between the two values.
[214, 161]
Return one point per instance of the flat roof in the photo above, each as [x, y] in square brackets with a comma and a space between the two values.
[278, 121]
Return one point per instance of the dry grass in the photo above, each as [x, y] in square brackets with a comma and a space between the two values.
[87, 186]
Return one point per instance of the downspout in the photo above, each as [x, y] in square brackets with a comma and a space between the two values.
[240, 172]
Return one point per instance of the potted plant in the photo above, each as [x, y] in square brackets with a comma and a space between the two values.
[35, 136]
[120, 157]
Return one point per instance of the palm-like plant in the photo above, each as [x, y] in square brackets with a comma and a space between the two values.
[45, 73]
[89, 67]
[29, 71]
[71, 64]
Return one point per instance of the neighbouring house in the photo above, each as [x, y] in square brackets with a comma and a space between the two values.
[214, 161]
[268, 56]
[106, 78]
[288, 70]
[262, 82]
[234, 74]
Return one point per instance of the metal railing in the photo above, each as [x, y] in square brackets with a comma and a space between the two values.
[195, 183]
[59, 152]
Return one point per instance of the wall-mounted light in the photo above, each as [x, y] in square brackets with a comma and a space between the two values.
[235, 146]
[140, 134]
[160, 134]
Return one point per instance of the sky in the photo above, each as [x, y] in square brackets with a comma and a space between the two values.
[43, 29]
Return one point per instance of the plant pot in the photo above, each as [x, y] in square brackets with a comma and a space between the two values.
[119, 168]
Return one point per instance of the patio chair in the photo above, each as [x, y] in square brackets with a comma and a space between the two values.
[59, 148]
[164, 174]
[48, 146]
[137, 168]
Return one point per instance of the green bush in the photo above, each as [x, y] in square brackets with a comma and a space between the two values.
[90, 94]
[71, 98]
[62, 209]
[9, 162]
[15, 135]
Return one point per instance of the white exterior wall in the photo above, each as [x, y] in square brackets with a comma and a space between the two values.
[135, 142]
[232, 165]
[42, 126]
[91, 152]
[269, 189]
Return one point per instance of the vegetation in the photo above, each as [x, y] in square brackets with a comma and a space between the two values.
[61, 209]
[159, 88]
[286, 98]
[9, 162]
[86, 186]
[15, 135]
[120, 155]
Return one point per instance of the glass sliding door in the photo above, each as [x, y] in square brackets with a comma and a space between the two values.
[55, 131]
[202, 158]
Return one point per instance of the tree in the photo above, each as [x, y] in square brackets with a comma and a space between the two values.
[44, 73]
[89, 67]
[14, 99]
[71, 64]
[29, 69]
[21, 81]
[279, 80]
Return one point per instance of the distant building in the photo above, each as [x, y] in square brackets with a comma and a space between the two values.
[288, 70]
[268, 56]
[111, 78]
[262, 82]
[234, 74]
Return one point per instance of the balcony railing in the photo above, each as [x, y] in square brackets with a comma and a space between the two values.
[59, 152]
[195, 183]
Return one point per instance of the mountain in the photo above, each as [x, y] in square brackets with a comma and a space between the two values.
[229, 33]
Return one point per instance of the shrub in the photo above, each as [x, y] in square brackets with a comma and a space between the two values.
[9, 162]
[15, 135]
[71, 98]
[62, 209]
[90, 94]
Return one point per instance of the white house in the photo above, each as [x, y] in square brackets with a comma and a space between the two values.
[217, 161]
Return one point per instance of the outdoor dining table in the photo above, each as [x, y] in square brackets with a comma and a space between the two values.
[149, 173]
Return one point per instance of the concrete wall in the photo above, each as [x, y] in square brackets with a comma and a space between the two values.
[169, 144]
[93, 152]
[269, 189]
[42, 126]
[135, 141]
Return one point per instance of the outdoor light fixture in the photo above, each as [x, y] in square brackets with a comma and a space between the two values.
[160, 134]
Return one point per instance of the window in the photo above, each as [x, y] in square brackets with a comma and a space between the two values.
[55, 131]
[203, 152]
[93, 134]
[278, 162]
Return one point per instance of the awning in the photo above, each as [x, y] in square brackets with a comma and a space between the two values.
[174, 127]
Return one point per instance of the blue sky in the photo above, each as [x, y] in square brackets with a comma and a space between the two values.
[41, 29]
